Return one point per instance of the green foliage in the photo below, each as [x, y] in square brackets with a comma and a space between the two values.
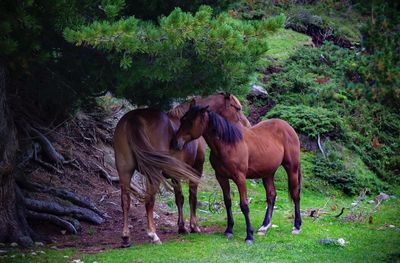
[381, 68]
[322, 82]
[43, 69]
[345, 170]
[312, 121]
[337, 18]
[185, 55]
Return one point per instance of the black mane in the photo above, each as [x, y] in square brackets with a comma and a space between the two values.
[222, 128]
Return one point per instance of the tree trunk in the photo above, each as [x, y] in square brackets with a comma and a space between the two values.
[13, 225]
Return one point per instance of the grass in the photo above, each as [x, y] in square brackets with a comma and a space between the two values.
[284, 43]
[364, 242]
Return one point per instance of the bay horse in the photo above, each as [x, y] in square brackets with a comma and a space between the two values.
[239, 153]
[142, 141]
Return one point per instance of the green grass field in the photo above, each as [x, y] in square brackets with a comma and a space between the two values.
[376, 242]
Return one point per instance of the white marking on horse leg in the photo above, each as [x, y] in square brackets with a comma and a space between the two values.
[263, 229]
[295, 231]
[154, 238]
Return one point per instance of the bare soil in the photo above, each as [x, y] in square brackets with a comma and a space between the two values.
[87, 180]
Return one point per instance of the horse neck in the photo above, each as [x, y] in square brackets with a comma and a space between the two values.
[211, 139]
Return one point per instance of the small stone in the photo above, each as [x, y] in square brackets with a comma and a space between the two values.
[3, 252]
[66, 256]
[2, 245]
[341, 242]
[12, 256]
[33, 254]
[391, 226]
[63, 232]
[42, 252]
[54, 247]
[13, 244]
[274, 226]
[371, 202]
[39, 244]
[156, 216]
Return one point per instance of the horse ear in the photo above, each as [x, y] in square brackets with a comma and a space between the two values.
[227, 95]
[192, 103]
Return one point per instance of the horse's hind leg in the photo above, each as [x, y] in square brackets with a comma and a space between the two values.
[179, 200]
[271, 196]
[125, 178]
[226, 189]
[293, 171]
[151, 226]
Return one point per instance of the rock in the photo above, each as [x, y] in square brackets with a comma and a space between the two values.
[327, 241]
[13, 244]
[391, 226]
[39, 244]
[381, 197]
[258, 91]
[63, 232]
[3, 252]
[33, 254]
[371, 202]
[2, 244]
[156, 216]
[274, 226]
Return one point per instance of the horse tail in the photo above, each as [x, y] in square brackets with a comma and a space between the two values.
[152, 163]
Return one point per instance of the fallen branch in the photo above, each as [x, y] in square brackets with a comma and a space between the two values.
[320, 146]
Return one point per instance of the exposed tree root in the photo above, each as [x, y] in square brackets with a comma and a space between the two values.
[58, 209]
[61, 193]
[58, 221]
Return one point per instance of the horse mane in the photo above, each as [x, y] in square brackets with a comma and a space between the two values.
[222, 128]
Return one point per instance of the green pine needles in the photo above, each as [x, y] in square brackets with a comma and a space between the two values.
[184, 54]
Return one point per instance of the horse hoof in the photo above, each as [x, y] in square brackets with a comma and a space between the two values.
[125, 242]
[157, 242]
[249, 242]
[295, 231]
[228, 235]
[183, 231]
[195, 229]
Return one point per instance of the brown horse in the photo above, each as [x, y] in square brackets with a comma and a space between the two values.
[238, 153]
[142, 142]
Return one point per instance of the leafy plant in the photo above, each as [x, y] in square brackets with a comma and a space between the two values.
[309, 121]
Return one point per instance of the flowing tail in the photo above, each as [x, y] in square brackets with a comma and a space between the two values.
[154, 164]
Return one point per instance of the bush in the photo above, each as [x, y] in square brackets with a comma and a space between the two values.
[309, 121]
[345, 170]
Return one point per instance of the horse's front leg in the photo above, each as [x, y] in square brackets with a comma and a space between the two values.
[198, 166]
[179, 200]
[151, 226]
[226, 189]
[244, 206]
